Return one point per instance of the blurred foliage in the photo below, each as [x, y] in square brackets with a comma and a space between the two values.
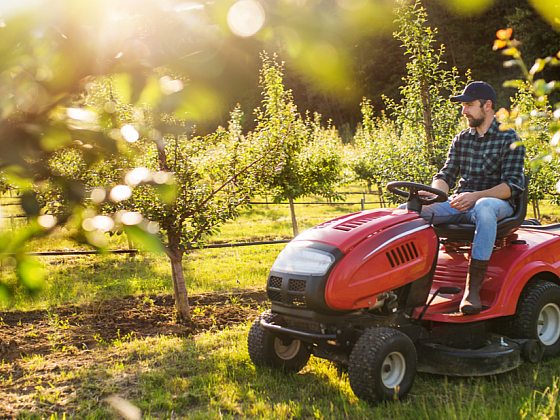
[533, 116]
[468, 38]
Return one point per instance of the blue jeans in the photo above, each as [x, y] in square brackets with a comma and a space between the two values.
[485, 215]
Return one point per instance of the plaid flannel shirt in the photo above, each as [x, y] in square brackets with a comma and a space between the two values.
[484, 162]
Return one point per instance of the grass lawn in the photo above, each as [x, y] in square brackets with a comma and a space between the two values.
[210, 376]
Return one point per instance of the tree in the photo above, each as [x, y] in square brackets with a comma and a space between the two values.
[309, 160]
[425, 104]
[537, 122]
[178, 186]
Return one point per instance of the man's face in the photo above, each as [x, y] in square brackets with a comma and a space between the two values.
[474, 112]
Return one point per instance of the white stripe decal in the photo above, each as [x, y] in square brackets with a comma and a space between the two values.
[410, 232]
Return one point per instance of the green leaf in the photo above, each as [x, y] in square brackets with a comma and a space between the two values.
[166, 192]
[31, 274]
[517, 84]
[5, 294]
[123, 84]
[538, 66]
[146, 240]
[151, 94]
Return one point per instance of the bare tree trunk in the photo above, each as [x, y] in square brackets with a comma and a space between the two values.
[179, 287]
[427, 117]
[293, 214]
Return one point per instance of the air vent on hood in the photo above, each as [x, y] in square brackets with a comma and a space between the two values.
[352, 224]
[402, 254]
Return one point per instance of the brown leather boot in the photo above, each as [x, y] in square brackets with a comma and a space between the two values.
[470, 304]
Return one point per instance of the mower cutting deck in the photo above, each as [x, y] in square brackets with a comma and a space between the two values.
[378, 291]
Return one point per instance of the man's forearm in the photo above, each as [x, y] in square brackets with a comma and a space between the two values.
[501, 191]
[440, 184]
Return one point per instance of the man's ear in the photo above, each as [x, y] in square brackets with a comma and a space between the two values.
[488, 105]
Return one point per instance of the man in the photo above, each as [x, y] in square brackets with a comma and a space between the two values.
[490, 164]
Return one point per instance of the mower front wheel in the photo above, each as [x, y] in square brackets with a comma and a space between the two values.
[265, 349]
[538, 315]
[382, 365]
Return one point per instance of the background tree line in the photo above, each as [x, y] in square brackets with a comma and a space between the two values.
[378, 62]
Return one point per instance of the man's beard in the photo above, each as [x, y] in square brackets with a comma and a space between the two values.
[475, 122]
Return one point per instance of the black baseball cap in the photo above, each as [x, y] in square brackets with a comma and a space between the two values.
[474, 91]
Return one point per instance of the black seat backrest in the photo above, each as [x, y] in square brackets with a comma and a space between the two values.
[465, 231]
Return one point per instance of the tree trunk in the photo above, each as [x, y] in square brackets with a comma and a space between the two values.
[427, 117]
[175, 254]
[180, 288]
[293, 214]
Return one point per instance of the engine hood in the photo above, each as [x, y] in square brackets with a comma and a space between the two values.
[348, 231]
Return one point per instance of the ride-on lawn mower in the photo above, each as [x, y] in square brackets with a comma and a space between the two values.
[378, 292]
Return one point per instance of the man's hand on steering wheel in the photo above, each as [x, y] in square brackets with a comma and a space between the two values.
[429, 194]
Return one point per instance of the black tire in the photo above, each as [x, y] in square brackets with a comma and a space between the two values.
[382, 365]
[265, 349]
[538, 316]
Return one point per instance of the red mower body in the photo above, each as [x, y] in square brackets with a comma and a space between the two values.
[379, 292]
[385, 249]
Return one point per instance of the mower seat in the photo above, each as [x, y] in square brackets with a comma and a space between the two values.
[465, 231]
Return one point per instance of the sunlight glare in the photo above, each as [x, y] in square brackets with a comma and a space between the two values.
[98, 195]
[120, 193]
[80, 114]
[153, 228]
[162, 177]
[170, 86]
[130, 134]
[138, 175]
[245, 18]
[103, 223]
[131, 218]
[47, 221]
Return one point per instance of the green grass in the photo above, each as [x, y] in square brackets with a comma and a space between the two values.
[211, 377]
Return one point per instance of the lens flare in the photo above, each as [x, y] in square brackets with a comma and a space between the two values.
[47, 221]
[245, 18]
[138, 175]
[131, 218]
[130, 134]
[120, 193]
[103, 223]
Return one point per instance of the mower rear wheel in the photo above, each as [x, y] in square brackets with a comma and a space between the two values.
[382, 365]
[538, 315]
[265, 349]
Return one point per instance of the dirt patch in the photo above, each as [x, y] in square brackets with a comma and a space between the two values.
[81, 328]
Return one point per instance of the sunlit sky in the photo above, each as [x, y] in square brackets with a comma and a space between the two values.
[245, 18]
[10, 7]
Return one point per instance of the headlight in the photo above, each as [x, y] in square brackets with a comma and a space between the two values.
[298, 258]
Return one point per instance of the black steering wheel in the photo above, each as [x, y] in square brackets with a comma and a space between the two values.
[413, 190]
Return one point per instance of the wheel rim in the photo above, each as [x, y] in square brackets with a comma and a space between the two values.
[286, 352]
[548, 326]
[393, 370]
